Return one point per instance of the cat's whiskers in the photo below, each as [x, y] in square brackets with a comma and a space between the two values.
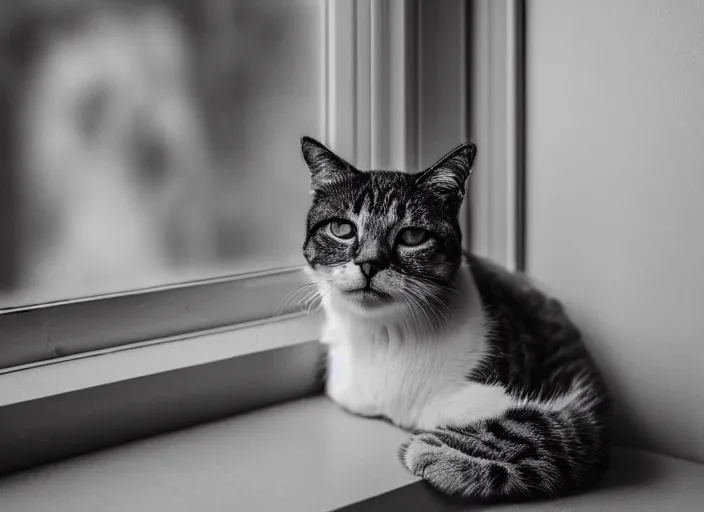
[292, 297]
[315, 303]
[298, 295]
[417, 304]
[436, 287]
[440, 307]
[435, 310]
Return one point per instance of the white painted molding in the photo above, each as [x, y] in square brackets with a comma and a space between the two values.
[341, 78]
[410, 79]
[397, 81]
[496, 126]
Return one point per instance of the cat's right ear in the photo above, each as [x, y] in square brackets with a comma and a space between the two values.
[325, 166]
[446, 178]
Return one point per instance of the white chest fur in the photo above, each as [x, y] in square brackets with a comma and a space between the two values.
[417, 381]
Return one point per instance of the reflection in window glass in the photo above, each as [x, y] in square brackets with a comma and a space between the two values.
[151, 142]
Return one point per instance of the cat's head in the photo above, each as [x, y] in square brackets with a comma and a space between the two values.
[385, 240]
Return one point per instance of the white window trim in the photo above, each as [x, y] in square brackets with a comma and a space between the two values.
[100, 367]
[49, 333]
[387, 109]
[497, 126]
[222, 366]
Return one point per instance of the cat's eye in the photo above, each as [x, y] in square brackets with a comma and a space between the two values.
[413, 236]
[342, 229]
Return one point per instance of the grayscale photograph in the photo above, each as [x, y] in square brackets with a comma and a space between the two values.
[351, 255]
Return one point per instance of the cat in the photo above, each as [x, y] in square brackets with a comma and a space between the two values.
[488, 374]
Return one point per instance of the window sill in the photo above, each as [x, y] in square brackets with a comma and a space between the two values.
[304, 455]
[79, 404]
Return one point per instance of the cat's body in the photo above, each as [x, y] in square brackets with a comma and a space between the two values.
[415, 379]
[489, 373]
[469, 374]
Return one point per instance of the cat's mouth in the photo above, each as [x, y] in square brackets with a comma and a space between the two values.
[368, 297]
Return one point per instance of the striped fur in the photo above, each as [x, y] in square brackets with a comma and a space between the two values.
[488, 373]
[537, 355]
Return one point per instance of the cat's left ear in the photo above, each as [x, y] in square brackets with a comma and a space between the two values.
[447, 176]
[325, 166]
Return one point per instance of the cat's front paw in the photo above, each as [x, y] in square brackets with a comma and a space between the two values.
[421, 451]
[439, 458]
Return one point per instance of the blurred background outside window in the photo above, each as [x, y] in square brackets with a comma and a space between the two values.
[146, 143]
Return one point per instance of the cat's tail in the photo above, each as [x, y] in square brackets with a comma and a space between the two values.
[528, 451]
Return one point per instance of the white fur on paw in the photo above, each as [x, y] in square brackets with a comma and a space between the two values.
[421, 451]
[443, 467]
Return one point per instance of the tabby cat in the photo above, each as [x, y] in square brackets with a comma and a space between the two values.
[489, 374]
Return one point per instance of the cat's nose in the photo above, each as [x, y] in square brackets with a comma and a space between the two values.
[369, 269]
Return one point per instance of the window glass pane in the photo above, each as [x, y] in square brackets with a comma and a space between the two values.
[146, 143]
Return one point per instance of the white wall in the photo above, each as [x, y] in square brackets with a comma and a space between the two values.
[616, 198]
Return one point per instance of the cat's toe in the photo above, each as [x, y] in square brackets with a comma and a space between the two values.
[421, 451]
[429, 438]
[402, 450]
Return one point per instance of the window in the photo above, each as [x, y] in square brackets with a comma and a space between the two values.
[151, 183]
[152, 193]
[155, 142]
[152, 150]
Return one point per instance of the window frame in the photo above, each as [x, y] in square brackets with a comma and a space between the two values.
[497, 124]
[63, 330]
[381, 112]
